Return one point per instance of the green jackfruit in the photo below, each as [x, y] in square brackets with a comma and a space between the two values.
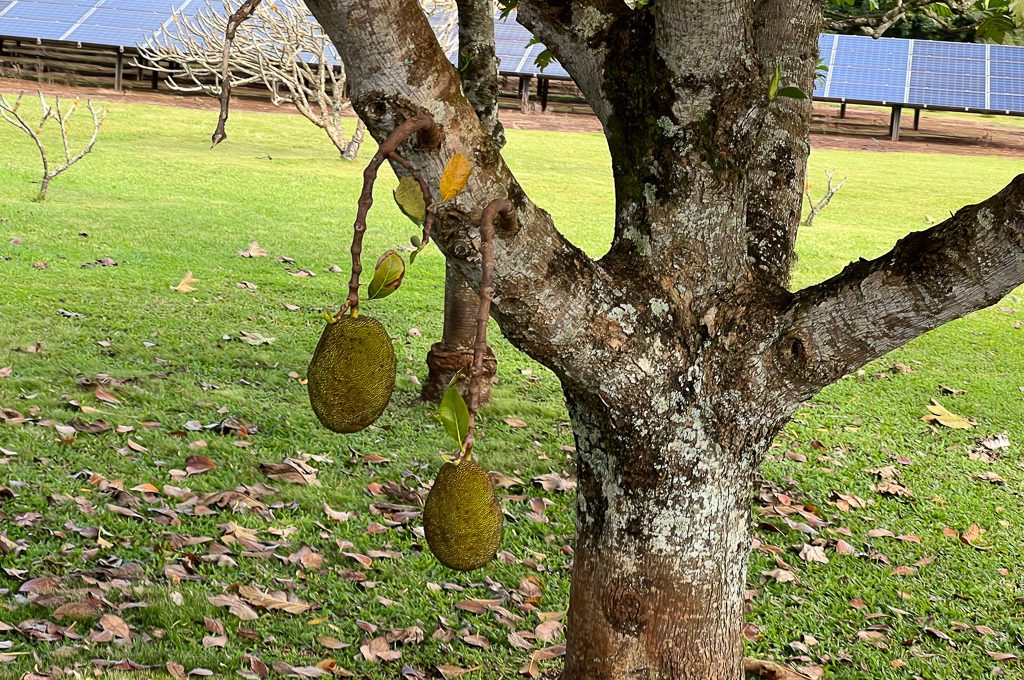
[352, 374]
[462, 518]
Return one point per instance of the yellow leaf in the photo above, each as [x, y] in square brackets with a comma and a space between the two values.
[455, 176]
[409, 198]
[187, 285]
[937, 413]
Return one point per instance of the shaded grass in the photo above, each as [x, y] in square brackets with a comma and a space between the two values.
[159, 202]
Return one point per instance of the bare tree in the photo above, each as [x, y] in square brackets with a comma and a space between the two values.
[815, 207]
[280, 47]
[12, 113]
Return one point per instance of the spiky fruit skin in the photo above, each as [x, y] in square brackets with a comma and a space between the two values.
[462, 518]
[352, 374]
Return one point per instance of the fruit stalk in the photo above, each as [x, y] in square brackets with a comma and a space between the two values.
[504, 207]
[386, 150]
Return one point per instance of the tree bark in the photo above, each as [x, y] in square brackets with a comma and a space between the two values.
[663, 533]
[455, 351]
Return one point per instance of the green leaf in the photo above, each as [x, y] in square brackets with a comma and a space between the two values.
[773, 87]
[387, 276]
[791, 92]
[409, 198]
[454, 413]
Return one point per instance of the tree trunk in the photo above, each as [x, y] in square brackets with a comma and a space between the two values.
[663, 534]
[455, 351]
[351, 150]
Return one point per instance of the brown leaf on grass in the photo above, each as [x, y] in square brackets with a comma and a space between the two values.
[105, 396]
[6, 371]
[556, 482]
[769, 670]
[477, 606]
[379, 649]
[971, 536]
[844, 548]
[502, 481]
[813, 553]
[307, 557]
[991, 477]
[477, 641]
[40, 586]
[518, 639]
[331, 642]
[780, 575]
[336, 515]
[292, 471]
[532, 669]
[252, 250]
[197, 465]
[935, 632]
[187, 285]
[290, 671]
[549, 631]
[515, 422]
[937, 413]
[82, 610]
[115, 625]
[176, 670]
[1003, 656]
[451, 672]
[273, 601]
[530, 588]
[847, 502]
[365, 561]
[235, 606]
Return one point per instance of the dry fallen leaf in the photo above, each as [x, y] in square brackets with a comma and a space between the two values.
[252, 250]
[187, 285]
[273, 601]
[937, 413]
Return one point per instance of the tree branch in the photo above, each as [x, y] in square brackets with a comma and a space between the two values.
[875, 24]
[478, 63]
[786, 35]
[398, 70]
[966, 263]
[580, 33]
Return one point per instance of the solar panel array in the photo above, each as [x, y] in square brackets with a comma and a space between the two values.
[114, 23]
[890, 71]
[922, 74]
[127, 23]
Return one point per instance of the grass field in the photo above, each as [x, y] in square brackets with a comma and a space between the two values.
[156, 200]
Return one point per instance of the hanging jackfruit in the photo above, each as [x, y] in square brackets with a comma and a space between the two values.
[352, 374]
[462, 518]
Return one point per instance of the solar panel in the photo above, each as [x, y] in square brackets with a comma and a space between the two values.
[948, 74]
[866, 69]
[890, 71]
[1006, 78]
[826, 51]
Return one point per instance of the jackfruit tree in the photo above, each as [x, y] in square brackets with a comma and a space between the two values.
[683, 351]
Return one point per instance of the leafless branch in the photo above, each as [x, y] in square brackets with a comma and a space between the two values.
[12, 114]
[929, 278]
[815, 207]
[280, 48]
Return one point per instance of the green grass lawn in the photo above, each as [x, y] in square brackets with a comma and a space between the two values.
[155, 199]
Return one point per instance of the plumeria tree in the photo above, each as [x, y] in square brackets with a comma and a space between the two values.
[683, 351]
